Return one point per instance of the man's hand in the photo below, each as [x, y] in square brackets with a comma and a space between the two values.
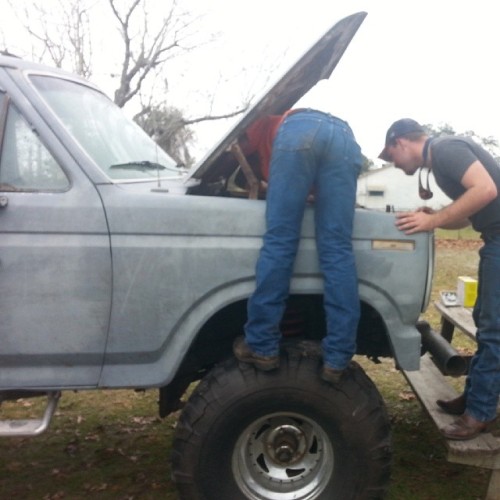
[427, 210]
[480, 189]
[414, 222]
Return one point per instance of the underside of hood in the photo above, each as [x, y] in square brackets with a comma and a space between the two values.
[316, 64]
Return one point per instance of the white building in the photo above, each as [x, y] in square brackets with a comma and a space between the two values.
[388, 186]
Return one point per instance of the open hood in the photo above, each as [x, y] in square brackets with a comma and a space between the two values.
[316, 64]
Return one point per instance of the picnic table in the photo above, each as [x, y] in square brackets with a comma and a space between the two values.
[429, 384]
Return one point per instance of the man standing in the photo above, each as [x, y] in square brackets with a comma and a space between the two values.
[470, 176]
[303, 150]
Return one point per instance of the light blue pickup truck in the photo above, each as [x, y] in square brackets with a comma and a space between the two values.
[119, 269]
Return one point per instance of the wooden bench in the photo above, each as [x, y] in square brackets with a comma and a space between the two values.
[429, 384]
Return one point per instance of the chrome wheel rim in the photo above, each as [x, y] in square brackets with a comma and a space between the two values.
[282, 454]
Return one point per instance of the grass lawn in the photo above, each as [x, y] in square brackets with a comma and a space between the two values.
[111, 444]
[466, 233]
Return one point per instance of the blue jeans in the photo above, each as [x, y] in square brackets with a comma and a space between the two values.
[311, 149]
[482, 386]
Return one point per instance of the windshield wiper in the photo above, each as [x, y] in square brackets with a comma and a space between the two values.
[139, 165]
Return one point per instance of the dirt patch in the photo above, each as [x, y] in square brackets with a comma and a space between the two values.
[459, 244]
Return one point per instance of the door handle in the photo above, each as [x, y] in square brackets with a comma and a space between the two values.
[4, 201]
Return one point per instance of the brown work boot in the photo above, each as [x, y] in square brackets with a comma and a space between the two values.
[331, 375]
[452, 406]
[465, 427]
[246, 355]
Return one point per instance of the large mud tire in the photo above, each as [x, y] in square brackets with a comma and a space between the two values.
[246, 434]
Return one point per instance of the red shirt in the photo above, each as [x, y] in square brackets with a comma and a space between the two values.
[260, 137]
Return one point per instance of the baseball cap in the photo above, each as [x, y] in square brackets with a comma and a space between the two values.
[399, 128]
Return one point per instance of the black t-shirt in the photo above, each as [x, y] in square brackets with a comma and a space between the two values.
[451, 157]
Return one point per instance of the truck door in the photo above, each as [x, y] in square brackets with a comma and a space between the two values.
[55, 263]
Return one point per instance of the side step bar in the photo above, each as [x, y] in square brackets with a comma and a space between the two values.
[31, 427]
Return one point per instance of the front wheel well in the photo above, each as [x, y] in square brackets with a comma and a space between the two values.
[304, 318]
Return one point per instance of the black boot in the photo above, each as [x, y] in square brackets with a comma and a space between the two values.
[453, 406]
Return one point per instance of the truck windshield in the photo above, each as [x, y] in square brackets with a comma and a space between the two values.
[101, 128]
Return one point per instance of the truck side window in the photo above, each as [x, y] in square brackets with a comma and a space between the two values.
[25, 163]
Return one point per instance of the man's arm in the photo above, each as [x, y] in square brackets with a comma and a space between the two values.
[479, 191]
[455, 225]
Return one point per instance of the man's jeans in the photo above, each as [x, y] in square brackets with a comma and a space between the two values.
[311, 149]
[482, 387]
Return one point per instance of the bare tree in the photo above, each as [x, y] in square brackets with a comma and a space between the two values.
[489, 143]
[62, 32]
[168, 126]
[53, 26]
[148, 45]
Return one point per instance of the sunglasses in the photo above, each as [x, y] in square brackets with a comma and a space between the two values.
[425, 193]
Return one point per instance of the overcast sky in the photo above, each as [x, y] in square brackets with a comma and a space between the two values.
[432, 60]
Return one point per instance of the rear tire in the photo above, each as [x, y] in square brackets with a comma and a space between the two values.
[246, 434]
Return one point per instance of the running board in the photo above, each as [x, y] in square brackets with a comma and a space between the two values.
[31, 427]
